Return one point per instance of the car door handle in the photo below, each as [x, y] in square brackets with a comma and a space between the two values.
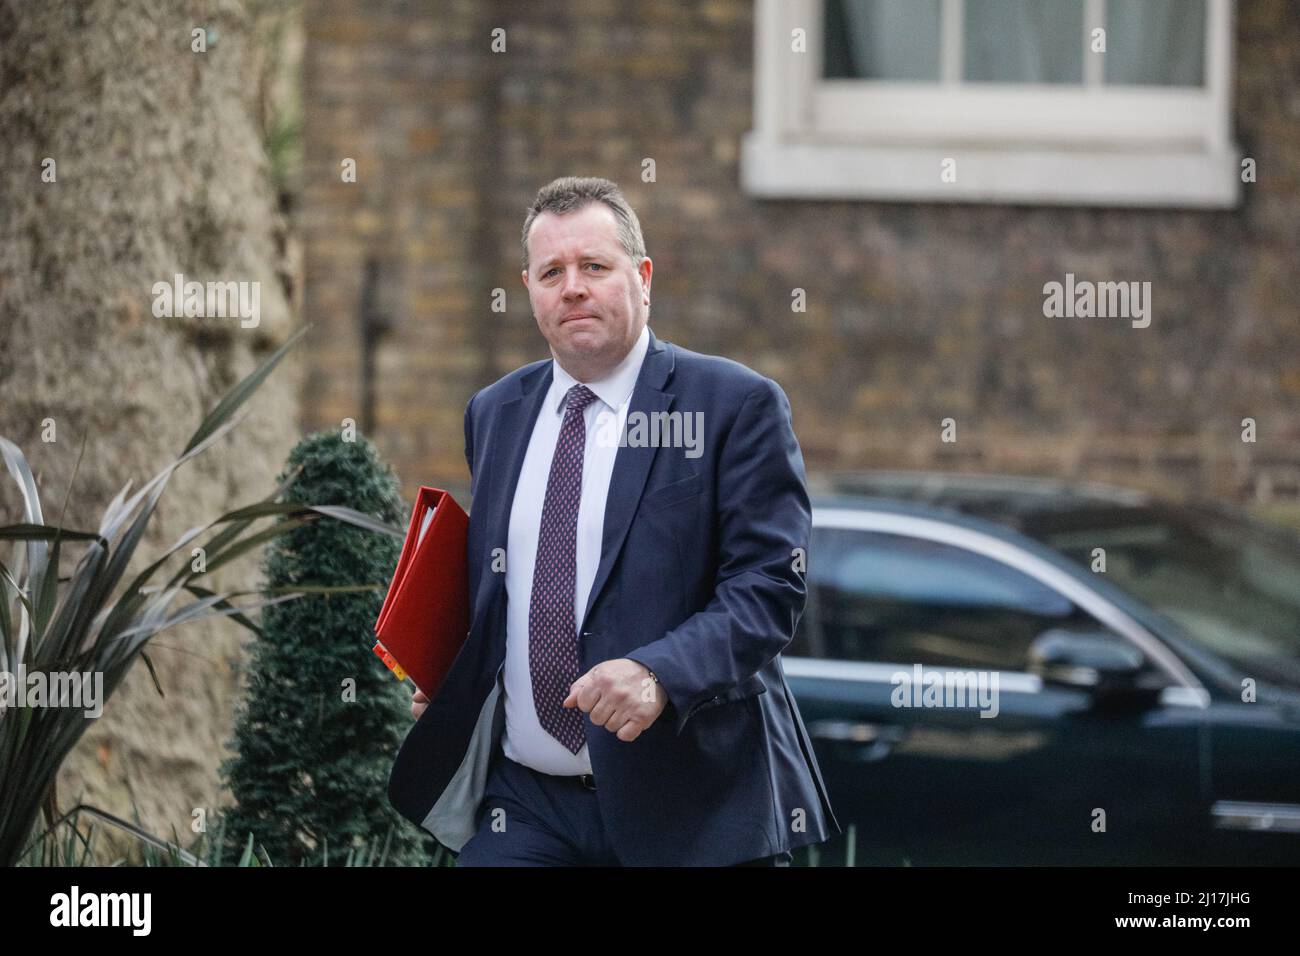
[867, 741]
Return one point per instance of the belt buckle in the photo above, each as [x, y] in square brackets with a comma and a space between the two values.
[588, 780]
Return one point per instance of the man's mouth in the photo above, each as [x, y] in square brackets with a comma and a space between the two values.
[580, 315]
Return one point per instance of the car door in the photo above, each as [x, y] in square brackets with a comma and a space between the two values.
[899, 603]
[1254, 782]
[1225, 589]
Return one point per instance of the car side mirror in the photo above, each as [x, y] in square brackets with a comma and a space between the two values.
[1096, 660]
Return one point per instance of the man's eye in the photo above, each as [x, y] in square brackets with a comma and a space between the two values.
[596, 264]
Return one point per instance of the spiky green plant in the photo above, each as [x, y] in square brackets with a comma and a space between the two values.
[50, 624]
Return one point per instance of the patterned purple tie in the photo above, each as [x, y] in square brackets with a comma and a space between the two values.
[552, 631]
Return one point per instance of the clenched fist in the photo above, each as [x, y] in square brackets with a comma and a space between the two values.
[619, 695]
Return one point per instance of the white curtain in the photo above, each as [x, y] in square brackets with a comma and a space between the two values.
[893, 39]
[1158, 42]
[1022, 41]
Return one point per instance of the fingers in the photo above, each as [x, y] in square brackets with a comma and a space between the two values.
[576, 688]
[418, 703]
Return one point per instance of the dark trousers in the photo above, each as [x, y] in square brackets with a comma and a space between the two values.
[536, 819]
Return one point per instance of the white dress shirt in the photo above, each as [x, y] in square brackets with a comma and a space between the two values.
[524, 740]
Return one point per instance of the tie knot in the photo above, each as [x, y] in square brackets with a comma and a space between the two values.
[580, 396]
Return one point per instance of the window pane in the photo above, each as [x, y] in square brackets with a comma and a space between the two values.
[1024, 41]
[1234, 590]
[1155, 42]
[894, 599]
[882, 39]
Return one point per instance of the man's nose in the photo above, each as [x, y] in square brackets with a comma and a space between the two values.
[575, 285]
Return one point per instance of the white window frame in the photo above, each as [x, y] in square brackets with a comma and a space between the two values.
[1050, 144]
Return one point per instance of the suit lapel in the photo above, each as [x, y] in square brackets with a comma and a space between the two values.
[515, 419]
[631, 465]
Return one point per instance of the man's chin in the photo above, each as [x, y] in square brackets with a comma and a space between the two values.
[585, 344]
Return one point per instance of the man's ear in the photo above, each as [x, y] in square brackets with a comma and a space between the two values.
[523, 277]
[645, 271]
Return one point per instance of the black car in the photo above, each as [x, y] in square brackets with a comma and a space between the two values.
[1011, 671]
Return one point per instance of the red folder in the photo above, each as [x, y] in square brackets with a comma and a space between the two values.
[425, 616]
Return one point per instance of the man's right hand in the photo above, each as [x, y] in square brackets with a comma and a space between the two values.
[418, 703]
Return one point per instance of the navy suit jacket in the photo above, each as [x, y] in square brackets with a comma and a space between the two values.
[699, 579]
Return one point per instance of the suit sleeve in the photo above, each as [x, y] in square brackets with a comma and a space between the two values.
[763, 515]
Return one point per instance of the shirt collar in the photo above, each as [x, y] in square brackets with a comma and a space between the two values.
[615, 388]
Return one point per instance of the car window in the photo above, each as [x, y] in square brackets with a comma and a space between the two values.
[1231, 587]
[898, 599]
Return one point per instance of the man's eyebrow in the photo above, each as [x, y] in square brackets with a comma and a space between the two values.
[588, 254]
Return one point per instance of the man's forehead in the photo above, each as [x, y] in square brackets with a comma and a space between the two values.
[573, 234]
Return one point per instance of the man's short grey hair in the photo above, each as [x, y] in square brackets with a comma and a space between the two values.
[571, 193]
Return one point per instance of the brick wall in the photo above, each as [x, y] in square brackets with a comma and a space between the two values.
[916, 312]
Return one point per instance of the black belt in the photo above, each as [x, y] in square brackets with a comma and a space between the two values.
[587, 780]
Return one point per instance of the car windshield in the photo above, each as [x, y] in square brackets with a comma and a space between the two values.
[1233, 587]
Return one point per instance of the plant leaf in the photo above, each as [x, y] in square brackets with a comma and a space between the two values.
[240, 393]
[360, 519]
[152, 673]
[16, 462]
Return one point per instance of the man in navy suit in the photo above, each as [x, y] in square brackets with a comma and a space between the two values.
[636, 552]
